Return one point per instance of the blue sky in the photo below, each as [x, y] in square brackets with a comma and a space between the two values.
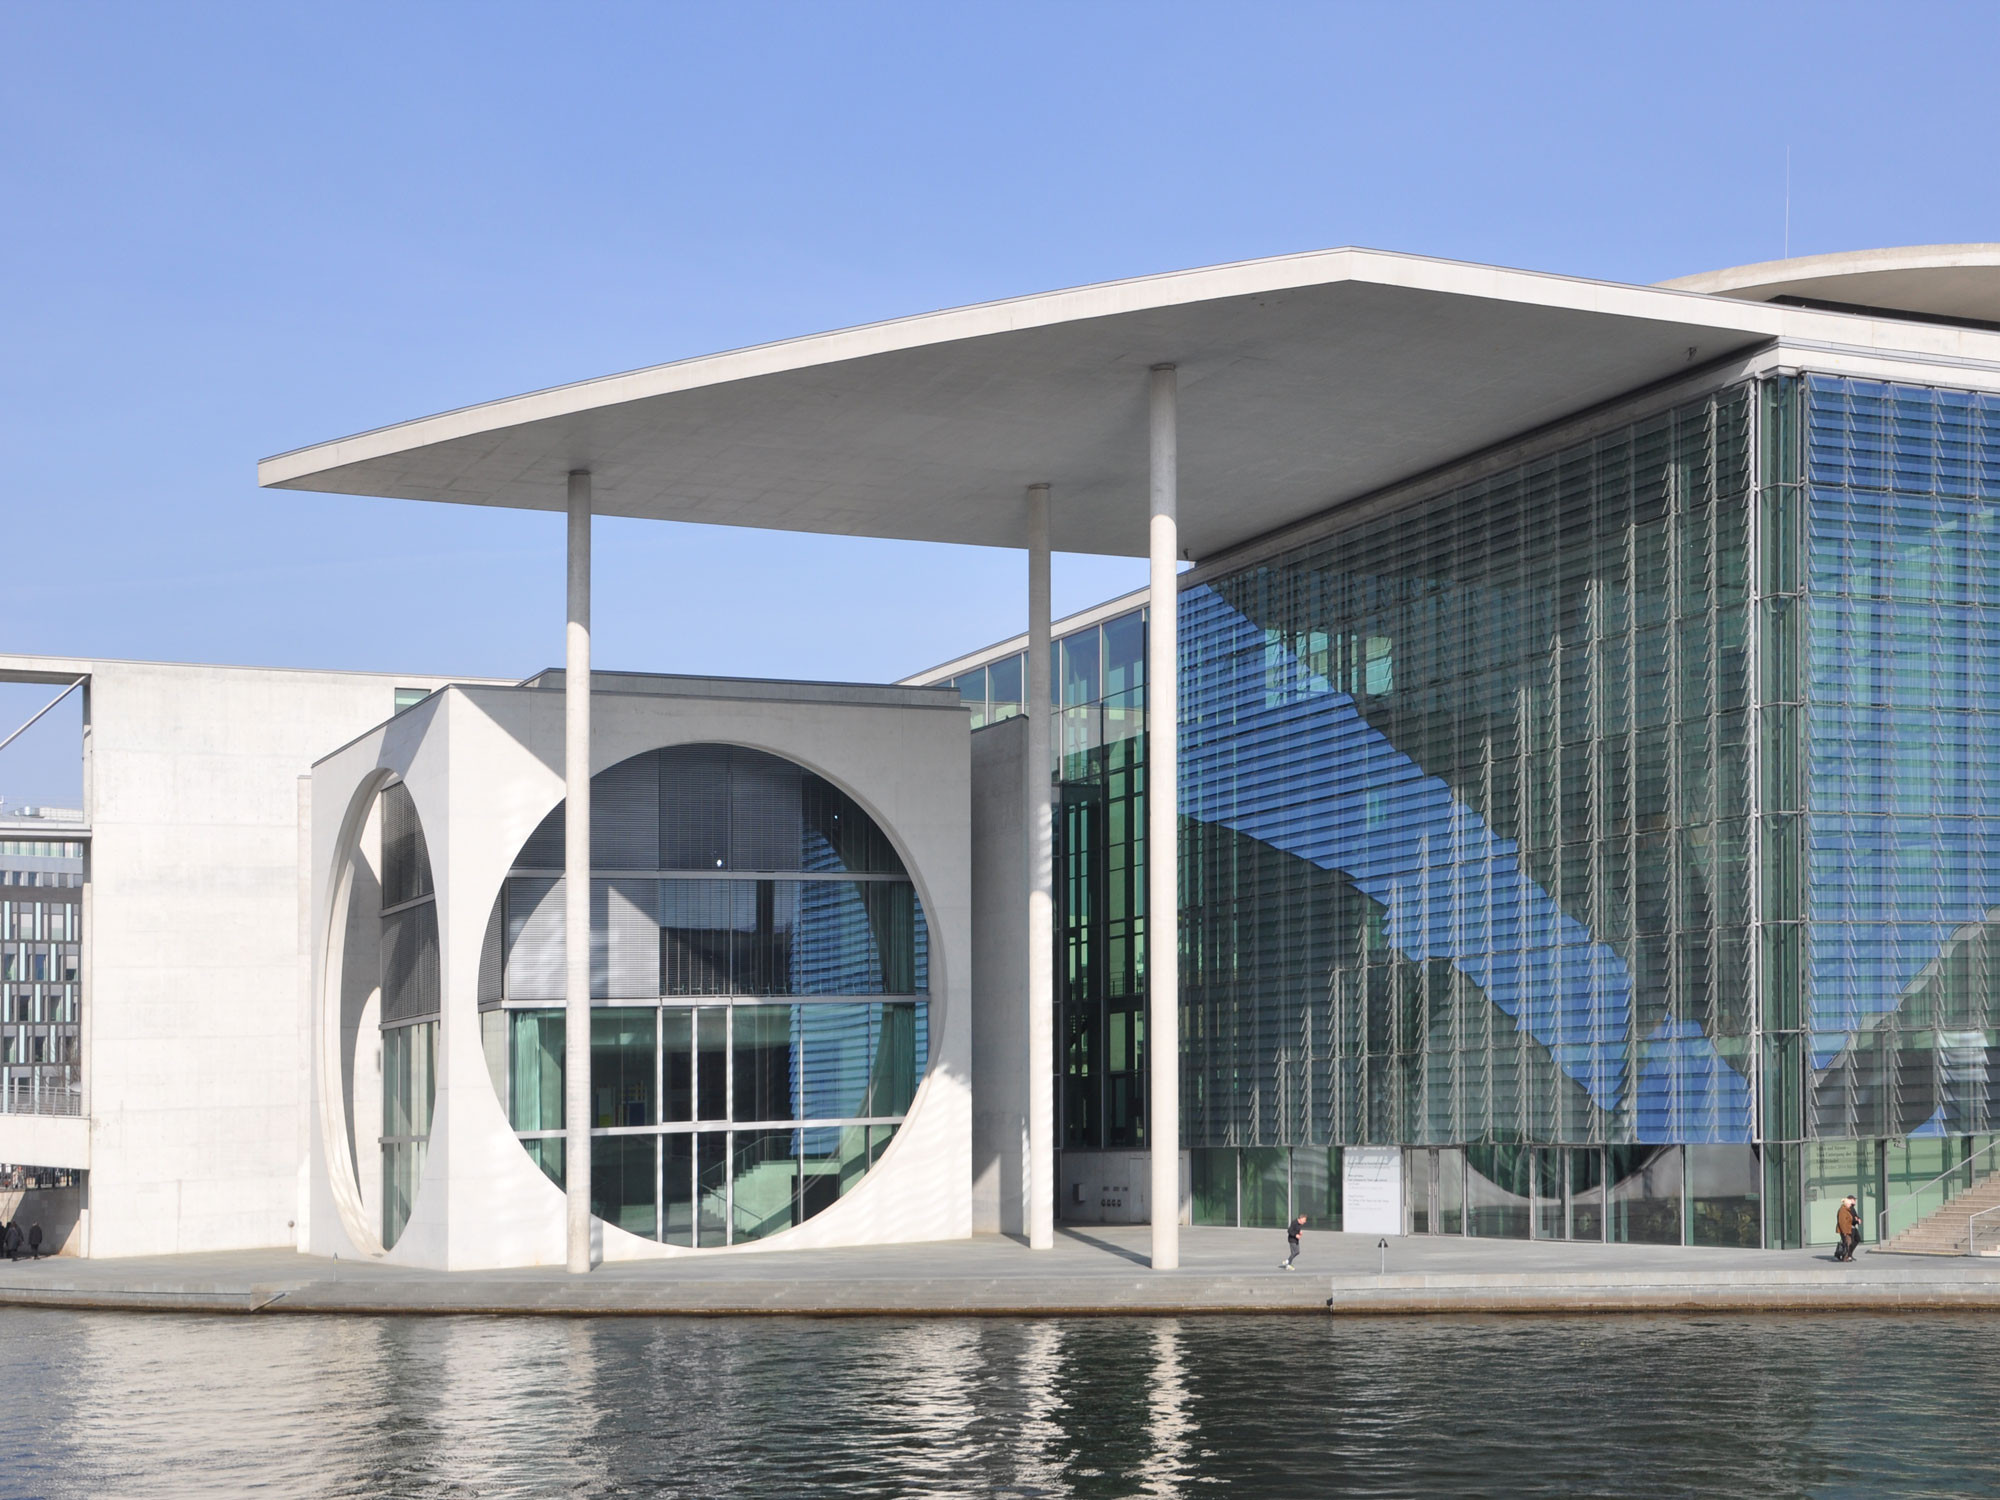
[232, 230]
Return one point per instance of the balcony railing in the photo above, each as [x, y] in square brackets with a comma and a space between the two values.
[40, 1096]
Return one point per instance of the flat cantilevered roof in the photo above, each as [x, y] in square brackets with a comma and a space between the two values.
[1305, 381]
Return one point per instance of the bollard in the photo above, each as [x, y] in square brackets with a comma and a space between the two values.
[1383, 1268]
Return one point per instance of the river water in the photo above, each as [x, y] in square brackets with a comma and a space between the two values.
[104, 1404]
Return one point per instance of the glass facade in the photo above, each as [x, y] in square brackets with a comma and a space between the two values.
[1467, 844]
[759, 976]
[1618, 833]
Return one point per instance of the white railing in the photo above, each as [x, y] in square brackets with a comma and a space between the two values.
[1924, 1200]
[1973, 1229]
[21, 1097]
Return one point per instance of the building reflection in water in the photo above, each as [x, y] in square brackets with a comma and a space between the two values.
[1169, 1424]
[147, 1405]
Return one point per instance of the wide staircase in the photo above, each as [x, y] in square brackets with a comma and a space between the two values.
[1946, 1230]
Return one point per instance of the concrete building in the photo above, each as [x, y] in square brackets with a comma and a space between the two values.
[1567, 701]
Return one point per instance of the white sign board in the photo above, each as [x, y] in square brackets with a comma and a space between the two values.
[1371, 1190]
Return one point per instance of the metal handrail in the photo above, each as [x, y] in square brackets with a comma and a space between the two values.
[1972, 1228]
[1882, 1218]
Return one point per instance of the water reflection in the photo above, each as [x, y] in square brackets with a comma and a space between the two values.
[135, 1405]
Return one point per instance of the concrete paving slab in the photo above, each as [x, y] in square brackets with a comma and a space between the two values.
[1094, 1271]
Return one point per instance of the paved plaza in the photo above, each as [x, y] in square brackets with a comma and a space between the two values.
[1090, 1271]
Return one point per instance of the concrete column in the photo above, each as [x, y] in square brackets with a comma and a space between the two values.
[576, 878]
[1041, 1214]
[1163, 974]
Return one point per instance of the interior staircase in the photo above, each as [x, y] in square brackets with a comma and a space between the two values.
[1944, 1230]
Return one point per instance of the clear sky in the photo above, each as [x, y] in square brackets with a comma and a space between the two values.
[226, 231]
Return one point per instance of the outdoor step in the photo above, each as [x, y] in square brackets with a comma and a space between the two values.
[1944, 1230]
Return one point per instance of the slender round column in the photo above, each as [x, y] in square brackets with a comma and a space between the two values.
[1163, 974]
[1041, 1208]
[576, 879]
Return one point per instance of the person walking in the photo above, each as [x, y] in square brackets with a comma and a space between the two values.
[1847, 1225]
[1292, 1232]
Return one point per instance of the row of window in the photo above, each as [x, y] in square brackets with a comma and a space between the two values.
[668, 1067]
[41, 921]
[43, 963]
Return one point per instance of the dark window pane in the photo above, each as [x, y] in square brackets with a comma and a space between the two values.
[622, 1185]
[711, 1030]
[677, 1197]
[711, 1159]
[677, 1062]
[621, 1068]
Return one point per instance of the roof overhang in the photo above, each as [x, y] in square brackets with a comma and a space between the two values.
[1305, 380]
[1949, 283]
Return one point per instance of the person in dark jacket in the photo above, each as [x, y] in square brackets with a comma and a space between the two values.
[14, 1240]
[5, 1230]
[34, 1242]
[1292, 1232]
[1847, 1225]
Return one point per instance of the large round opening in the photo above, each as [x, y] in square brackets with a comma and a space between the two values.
[759, 980]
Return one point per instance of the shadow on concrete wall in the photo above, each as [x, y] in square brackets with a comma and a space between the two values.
[55, 1209]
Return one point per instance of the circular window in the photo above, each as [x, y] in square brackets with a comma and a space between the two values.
[759, 979]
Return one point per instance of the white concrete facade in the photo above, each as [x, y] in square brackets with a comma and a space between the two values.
[484, 766]
[194, 1067]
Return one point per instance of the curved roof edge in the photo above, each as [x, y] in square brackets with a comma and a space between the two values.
[1953, 283]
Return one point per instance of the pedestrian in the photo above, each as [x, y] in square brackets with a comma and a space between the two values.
[34, 1242]
[1847, 1225]
[4, 1228]
[1292, 1232]
[14, 1240]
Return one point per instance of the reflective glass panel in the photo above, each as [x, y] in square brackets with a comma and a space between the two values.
[1418, 1165]
[535, 1070]
[1450, 1190]
[1724, 1185]
[833, 1163]
[1586, 1193]
[1265, 1201]
[765, 1185]
[764, 1060]
[1643, 1186]
[1551, 1218]
[1498, 1185]
[1212, 1170]
[837, 1042]
[1316, 1185]
[1003, 685]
